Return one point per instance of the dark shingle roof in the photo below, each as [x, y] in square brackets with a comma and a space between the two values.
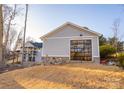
[37, 45]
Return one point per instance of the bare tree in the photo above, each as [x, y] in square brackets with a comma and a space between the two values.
[1, 36]
[9, 15]
[116, 34]
[12, 37]
[18, 41]
[116, 31]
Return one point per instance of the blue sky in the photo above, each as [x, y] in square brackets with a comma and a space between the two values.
[44, 18]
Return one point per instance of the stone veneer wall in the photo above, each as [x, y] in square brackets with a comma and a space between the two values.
[51, 60]
[65, 60]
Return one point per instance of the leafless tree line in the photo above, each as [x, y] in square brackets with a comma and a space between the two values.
[10, 35]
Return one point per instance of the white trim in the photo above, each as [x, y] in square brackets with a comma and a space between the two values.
[91, 31]
[69, 49]
[71, 37]
[56, 56]
[69, 23]
[42, 48]
[52, 31]
[98, 46]
[95, 56]
[57, 37]
[84, 36]
[92, 49]
[80, 38]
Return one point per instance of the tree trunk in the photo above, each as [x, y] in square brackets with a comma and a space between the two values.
[23, 47]
[1, 37]
[8, 33]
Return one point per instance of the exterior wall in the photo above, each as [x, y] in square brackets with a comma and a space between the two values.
[95, 46]
[96, 60]
[38, 55]
[69, 31]
[56, 47]
[61, 46]
[58, 44]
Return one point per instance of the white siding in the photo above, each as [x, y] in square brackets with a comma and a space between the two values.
[39, 55]
[95, 47]
[69, 31]
[61, 46]
[56, 47]
[58, 44]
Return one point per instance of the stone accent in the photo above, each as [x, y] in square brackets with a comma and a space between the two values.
[55, 60]
[60, 60]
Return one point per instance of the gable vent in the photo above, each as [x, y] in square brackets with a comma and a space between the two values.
[85, 27]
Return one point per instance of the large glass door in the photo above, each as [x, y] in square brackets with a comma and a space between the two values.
[81, 50]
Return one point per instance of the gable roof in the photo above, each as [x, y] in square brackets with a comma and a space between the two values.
[37, 45]
[69, 23]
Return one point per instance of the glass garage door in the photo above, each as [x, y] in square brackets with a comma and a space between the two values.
[81, 50]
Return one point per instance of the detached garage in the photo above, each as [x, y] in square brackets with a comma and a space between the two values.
[72, 42]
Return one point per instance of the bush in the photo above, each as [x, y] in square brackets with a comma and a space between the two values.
[106, 50]
[120, 58]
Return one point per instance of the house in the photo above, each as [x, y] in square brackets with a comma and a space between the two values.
[32, 51]
[71, 42]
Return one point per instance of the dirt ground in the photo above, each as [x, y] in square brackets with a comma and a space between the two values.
[74, 76]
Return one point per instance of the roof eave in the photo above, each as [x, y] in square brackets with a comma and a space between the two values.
[43, 37]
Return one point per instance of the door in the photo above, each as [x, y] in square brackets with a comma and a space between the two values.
[81, 50]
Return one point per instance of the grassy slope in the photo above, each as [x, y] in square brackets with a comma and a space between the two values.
[65, 76]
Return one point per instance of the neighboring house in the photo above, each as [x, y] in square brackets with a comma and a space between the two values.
[32, 51]
[72, 42]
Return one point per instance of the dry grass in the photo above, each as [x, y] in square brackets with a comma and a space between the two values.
[64, 76]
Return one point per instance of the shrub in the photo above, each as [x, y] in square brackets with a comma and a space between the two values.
[106, 50]
[120, 58]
